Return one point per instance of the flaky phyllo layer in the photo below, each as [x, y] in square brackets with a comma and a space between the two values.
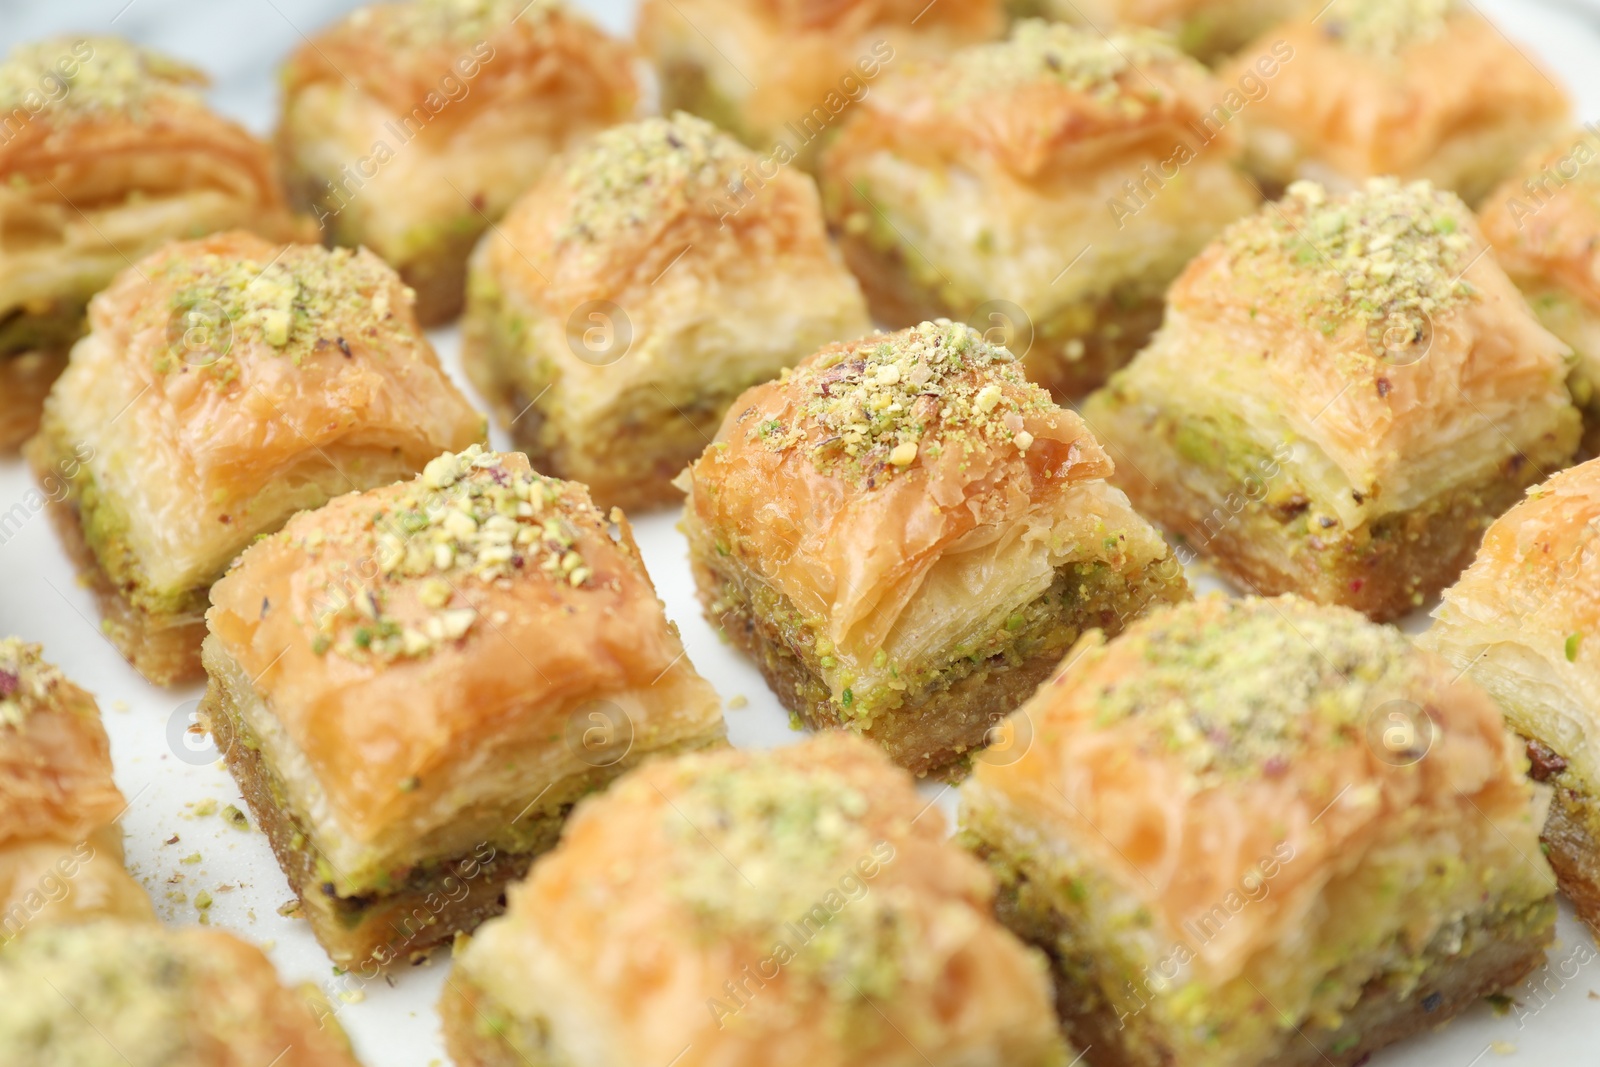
[906, 495]
[1239, 797]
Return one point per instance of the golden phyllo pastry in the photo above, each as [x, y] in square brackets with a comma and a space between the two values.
[784, 909]
[781, 74]
[1346, 391]
[1422, 89]
[906, 535]
[1524, 623]
[1263, 832]
[115, 994]
[1208, 29]
[412, 685]
[224, 385]
[1544, 224]
[630, 297]
[410, 127]
[60, 845]
[1046, 189]
[106, 152]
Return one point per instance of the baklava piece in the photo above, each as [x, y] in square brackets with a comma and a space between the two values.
[1048, 187]
[629, 298]
[60, 845]
[780, 74]
[107, 151]
[414, 684]
[1544, 224]
[409, 128]
[1207, 29]
[1524, 623]
[114, 994]
[906, 535]
[788, 907]
[224, 385]
[1346, 391]
[1421, 89]
[1253, 832]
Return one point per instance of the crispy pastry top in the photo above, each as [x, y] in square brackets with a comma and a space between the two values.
[508, 51]
[389, 630]
[844, 481]
[617, 211]
[1051, 100]
[111, 994]
[692, 871]
[55, 760]
[1375, 86]
[1544, 220]
[1209, 735]
[70, 102]
[249, 355]
[1536, 580]
[1375, 324]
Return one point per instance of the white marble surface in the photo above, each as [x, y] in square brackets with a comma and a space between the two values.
[240, 42]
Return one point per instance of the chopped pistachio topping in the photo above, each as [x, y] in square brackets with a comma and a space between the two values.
[25, 680]
[466, 517]
[306, 300]
[1245, 687]
[1389, 256]
[761, 846]
[631, 174]
[1104, 67]
[1387, 27]
[876, 405]
[80, 77]
[425, 22]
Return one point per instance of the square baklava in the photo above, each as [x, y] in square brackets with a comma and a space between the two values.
[1544, 224]
[780, 75]
[1046, 189]
[1263, 832]
[1420, 89]
[1524, 623]
[409, 128]
[1346, 391]
[60, 845]
[906, 535]
[224, 385]
[118, 994]
[630, 297]
[107, 151]
[413, 685]
[794, 906]
[1206, 29]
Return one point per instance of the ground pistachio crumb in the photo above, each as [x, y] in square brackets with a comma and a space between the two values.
[26, 681]
[1387, 27]
[77, 78]
[1107, 67]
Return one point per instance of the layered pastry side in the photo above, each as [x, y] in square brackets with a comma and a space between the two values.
[1524, 623]
[1046, 189]
[629, 298]
[60, 842]
[1421, 89]
[1254, 832]
[1544, 224]
[1346, 391]
[107, 151]
[224, 385]
[781, 74]
[409, 128]
[781, 908]
[413, 685]
[905, 534]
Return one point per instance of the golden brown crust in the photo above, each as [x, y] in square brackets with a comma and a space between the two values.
[1543, 221]
[145, 996]
[633, 888]
[1382, 92]
[385, 670]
